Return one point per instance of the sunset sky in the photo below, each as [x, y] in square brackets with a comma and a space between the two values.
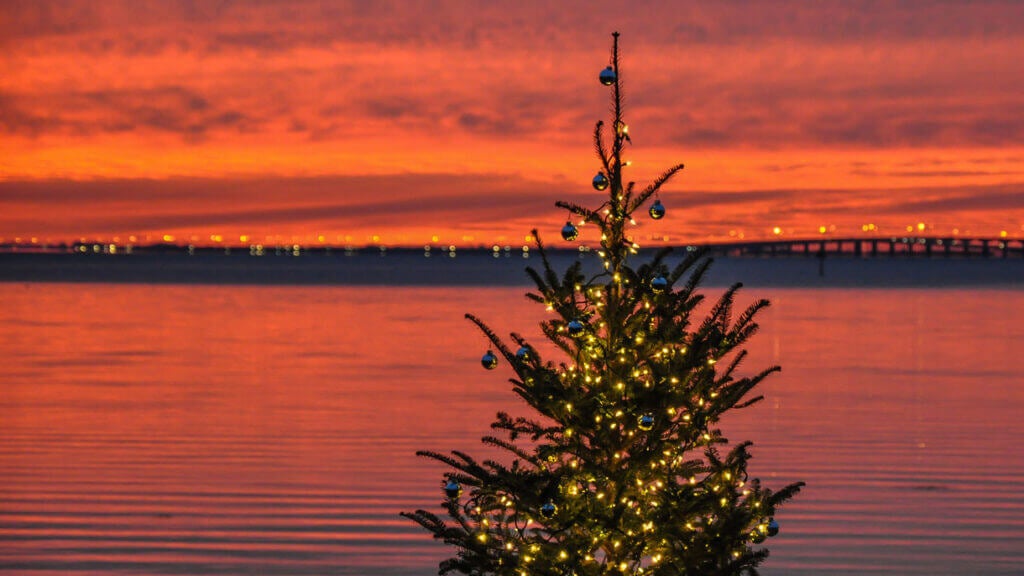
[293, 120]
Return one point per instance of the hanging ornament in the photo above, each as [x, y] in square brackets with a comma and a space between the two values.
[657, 210]
[600, 181]
[646, 422]
[548, 510]
[575, 327]
[758, 535]
[569, 232]
[607, 76]
[489, 360]
[773, 527]
[452, 489]
[659, 284]
[523, 354]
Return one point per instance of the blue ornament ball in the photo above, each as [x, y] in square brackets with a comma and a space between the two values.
[569, 232]
[659, 284]
[575, 327]
[523, 354]
[601, 182]
[657, 210]
[489, 360]
[452, 489]
[607, 76]
[646, 422]
[548, 510]
[773, 527]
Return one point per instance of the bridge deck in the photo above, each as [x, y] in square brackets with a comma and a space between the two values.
[874, 247]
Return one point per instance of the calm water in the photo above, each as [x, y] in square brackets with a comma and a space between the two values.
[271, 430]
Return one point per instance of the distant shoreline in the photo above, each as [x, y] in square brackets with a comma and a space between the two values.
[481, 268]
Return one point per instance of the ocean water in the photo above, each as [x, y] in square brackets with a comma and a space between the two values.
[184, 429]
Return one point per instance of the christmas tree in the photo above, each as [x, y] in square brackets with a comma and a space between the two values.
[621, 470]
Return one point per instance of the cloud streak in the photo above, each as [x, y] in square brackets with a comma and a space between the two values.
[359, 207]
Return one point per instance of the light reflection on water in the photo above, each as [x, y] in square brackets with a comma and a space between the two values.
[271, 430]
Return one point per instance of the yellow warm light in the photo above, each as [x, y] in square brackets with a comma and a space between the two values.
[776, 230]
[168, 238]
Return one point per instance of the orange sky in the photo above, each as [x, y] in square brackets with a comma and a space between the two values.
[299, 119]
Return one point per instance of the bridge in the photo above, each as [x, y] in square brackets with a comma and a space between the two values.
[823, 247]
[897, 246]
